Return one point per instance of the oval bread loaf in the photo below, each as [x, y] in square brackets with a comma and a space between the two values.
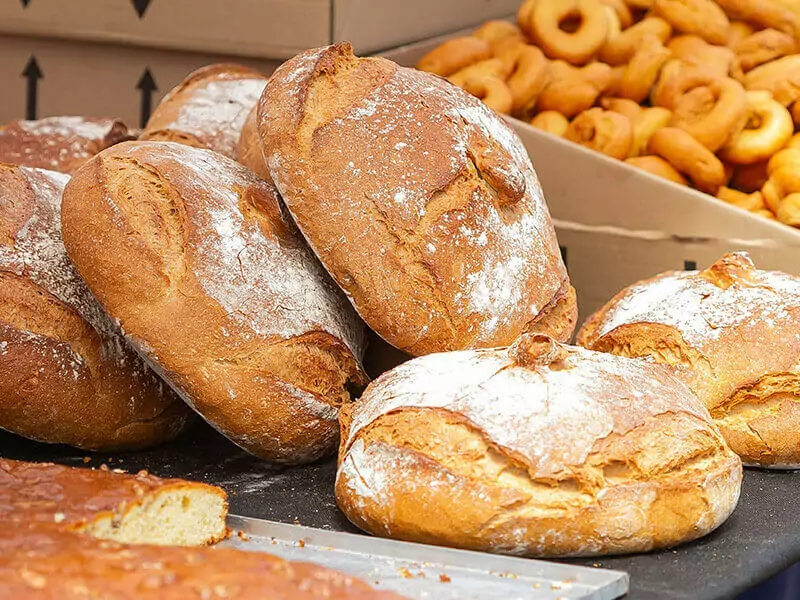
[538, 449]
[733, 332]
[59, 143]
[66, 374]
[192, 254]
[207, 109]
[248, 149]
[420, 201]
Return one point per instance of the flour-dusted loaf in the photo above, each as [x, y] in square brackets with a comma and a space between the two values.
[71, 534]
[248, 149]
[538, 449]
[207, 109]
[59, 143]
[420, 201]
[733, 334]
[192, 254]
[66, 374]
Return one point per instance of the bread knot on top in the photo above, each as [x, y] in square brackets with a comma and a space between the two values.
[733, 267]
[536, 349]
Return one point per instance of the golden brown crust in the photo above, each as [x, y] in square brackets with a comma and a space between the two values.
[66, 375]
[248, 149]
[207, 109]
[413, 195]
[46, 549]
[214, 286]
[59, 143]
[589, 472]
[731, 333]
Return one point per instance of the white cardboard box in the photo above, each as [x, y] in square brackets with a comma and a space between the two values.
[257, 28]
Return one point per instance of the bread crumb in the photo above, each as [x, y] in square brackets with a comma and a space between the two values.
[405, 573]
[87, 459]
[301, 543]
[444, 578]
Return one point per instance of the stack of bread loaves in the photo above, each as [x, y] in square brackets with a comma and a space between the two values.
[696, 91]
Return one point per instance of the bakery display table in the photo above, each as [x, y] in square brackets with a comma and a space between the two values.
[760, 539]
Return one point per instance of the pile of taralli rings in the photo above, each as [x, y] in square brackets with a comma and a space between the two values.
[699, 92]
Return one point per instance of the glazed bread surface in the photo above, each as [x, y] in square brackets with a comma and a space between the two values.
[732, 332]
[193, 255]
[66, 374]
[420, 201]
[59, 143]
[207, 109]
[79, 533]
[539, 449]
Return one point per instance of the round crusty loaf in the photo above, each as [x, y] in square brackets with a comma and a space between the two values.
[732, 331]
[248, 149]
[538, 450]
[420, 201]
[59, 143]
[66, 375]
[192, 254]
[207, 109]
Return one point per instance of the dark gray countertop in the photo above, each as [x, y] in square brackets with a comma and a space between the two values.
[759, 540]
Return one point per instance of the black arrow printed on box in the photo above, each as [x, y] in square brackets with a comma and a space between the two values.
[147, 85]
[139, 5]
[33, 74]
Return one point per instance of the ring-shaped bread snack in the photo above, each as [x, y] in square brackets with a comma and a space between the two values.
[622, 10]
[690, 157]
[776, 14]
[768, 128]
[551, 121]
[577, 91]
[796, 114]
[713, 114]
[657, 166]
[749, 178]
[781, 77]
[619, 50]
[528, 74]
[739, 30]
[730, 332]
[751, 202]
[492, 91]
[677, 78]
[788, 211]
[552, 29]
[524, 16]
[640, 75]
[762, 47]
[492, 67]
[454, 55]
[539, 449]
[623, 106]
[602, 130]
[645, 124]
[694, 50]
[786, 158]
[699, 17]
[498, 32]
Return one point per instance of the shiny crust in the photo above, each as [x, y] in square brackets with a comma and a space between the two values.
[589, 472]
[212, 284]
[748, 374]
[66, 375]
[59, 143]
[44, 555]
[207, 109]
[414, 220]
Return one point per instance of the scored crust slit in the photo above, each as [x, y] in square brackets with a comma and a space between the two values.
[194, 256]
[539, 449]
[416, 196]
[732, 332]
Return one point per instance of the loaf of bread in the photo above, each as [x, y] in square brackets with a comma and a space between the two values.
[732, 333]
[208, 108]
[192, 254]
[248, 149]
[420, 201]
[71, 533]
[59, 143]
[538, 449]
[66, 374]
